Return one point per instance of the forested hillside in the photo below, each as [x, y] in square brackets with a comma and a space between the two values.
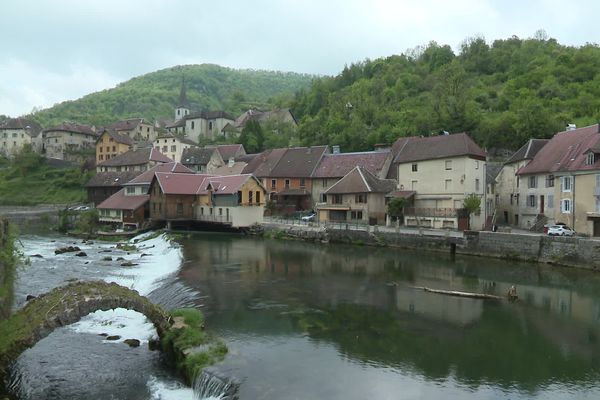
[501, 94]
[154, 95]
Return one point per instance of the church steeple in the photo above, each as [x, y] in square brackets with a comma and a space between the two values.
[183, 106]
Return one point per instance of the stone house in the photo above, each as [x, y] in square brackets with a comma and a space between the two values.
[69, 141]
[359, 197]
[134, 160]
[111, 144]
[442, 171]
[173, 146]
[18, 132]
[204, 160]
[137, 129]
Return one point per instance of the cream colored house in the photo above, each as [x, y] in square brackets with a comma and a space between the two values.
[16, 133]
[442, 171]
[111, 144]
[572, 158]
[173, 146]
[137, 129]
[68, 141]
[515, 206]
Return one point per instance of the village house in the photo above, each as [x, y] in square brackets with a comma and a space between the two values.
[266, 118]
[104, 184]
[110, 144]
[515, 204]
[202, 159]
[15, 133]
[128, 207]
[335, 166]
[137, 129]
[134, 160]
[572, 158]
[231, 151]
[359, 197]
[441, 171]
[289, 181]
[173, 146]
[236, 200]
[69, 141]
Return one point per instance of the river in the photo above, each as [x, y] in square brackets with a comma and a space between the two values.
[307, 321]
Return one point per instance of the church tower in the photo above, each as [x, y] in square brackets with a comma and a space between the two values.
[183, 106]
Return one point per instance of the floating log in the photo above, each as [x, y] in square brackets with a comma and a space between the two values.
[460, 294]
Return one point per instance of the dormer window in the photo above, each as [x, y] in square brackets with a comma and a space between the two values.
[591, 159]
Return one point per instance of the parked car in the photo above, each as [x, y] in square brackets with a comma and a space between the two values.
[309, 217]
[560, 230]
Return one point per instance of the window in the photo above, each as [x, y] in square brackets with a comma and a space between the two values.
[14, 134]
[220, 211]
[550, 201]
[531, 201]
[476, 164]
[565, 184]
[302, 182]
[447, 184]
[257, 197]
[414, 168]
[148, 129]
[550, 180]
[518, 181]
[179, 209]
[192, 124]
[356, 215]
[590, 159]
[107, 149]
[517, 199]
[360, 198]
[100, 157]
[448, 164]
[532, 182]
[511, 199]
[165, 149]
[130, 190]
[210, 126]
[413, 185]
[118, 168]
[477, 185]
[114, 148]
[100, 149]
[597, 205]
[273, 183]
[565, 206]
[250, 195]
[174, 148]
[287, 183]
[336, 198]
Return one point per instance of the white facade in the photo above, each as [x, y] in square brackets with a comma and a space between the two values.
[171, 146]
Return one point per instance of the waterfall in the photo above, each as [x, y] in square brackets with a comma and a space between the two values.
[211, 386]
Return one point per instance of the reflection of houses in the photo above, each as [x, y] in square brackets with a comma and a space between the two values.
[235, 200]
[16, 133]
[442, 171]
[518, 201]
[335, 166]
[357, 197]
[569, 165]
[128, 207]
[134, 160]
[69, 141]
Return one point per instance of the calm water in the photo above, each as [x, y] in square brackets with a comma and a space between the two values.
[306, 321]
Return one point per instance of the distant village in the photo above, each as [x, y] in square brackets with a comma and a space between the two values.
[158, 172]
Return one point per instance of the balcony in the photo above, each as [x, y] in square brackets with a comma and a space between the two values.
[430, 212]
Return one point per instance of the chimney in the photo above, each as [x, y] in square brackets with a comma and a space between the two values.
[335, 149]
[381, 146]
[571, 127]
[230, 162]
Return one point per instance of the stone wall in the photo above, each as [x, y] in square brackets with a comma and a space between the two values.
[564, 251]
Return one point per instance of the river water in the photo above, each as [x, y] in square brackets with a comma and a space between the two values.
[306, 321]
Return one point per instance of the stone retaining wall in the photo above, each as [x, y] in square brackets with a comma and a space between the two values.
[564, 251]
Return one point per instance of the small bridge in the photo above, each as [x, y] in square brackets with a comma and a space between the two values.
[66, 305]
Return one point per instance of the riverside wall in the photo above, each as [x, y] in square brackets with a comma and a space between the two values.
[563, 251]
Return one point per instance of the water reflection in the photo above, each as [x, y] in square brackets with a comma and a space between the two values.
[362, 302]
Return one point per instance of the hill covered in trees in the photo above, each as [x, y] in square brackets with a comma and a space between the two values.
[500, 93]
[154, 95]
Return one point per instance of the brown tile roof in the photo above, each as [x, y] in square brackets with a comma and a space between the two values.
[360, 180]
[127, 124]
[230, 150]
[235, 169]
[117, 137]
[566, 152]
[111, 179]
[209, 115]
[197, 155]
[298, 162]
[32, 128]
[405, 194]
[174, 183]
[222, 185]
[74, 128]
[415, 148]
[528, 150]
[146, 177]
[338, 165]
[119, 201]
[262, 165]
[136, 157]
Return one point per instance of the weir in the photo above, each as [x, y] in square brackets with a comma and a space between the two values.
[210, 385]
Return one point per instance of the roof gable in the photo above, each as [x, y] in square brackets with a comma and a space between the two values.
[416, 148]
[360, 180]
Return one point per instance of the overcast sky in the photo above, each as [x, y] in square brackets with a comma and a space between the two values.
[51, 51]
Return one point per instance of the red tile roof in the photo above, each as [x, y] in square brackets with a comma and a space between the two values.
[230, 150]
[261, 165]
[338, 165]
[146, 177]
[417, 148]
[119, 201]
[174, 183]
[566, 152]
[360, 180]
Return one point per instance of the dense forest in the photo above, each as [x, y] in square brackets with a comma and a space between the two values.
[154, 95]
[500, 93]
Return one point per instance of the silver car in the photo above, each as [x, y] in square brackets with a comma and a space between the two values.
[560, 230]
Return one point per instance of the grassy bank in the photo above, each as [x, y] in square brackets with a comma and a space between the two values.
[8, 263]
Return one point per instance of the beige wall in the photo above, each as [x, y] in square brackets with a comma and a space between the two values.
[143, 131]
[585, 205]
[444, 184]
[13, 140]
[107, 148]
[171, 147]
[374, 207]
[57, 143]
[197, 128]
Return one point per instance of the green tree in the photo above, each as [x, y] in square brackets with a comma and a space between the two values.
[472, 203]
[395, 207]
[252, 137]
[26, 160]
[87, 222]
